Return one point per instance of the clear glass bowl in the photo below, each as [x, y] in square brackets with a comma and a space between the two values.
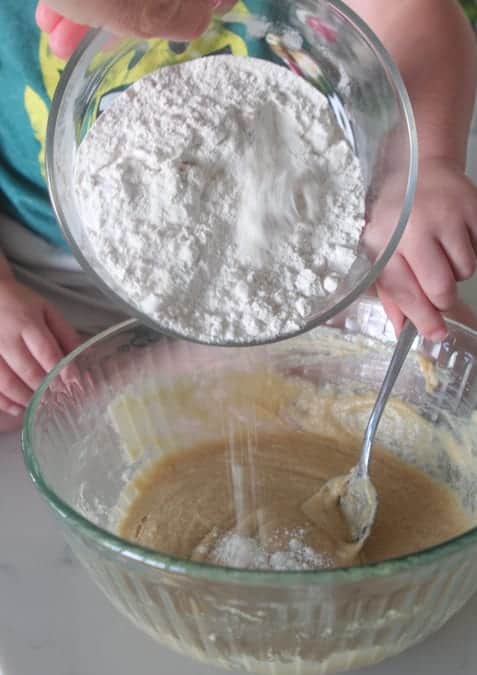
[262, 622]
[345, 61]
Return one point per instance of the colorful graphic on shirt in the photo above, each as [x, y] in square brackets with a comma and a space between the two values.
[37, 108]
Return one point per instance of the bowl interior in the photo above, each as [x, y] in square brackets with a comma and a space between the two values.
[129, 396]
[132, 397]
[340, 57]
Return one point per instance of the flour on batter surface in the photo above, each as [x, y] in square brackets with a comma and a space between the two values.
[188, 505]
[244, 496]
[221, 196]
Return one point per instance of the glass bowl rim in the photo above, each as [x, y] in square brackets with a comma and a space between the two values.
[394, 78]
[112, 544]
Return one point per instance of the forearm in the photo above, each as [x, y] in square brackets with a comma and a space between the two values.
[434, 48]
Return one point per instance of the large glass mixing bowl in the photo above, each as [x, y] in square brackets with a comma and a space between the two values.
[323, 41]
[82, 447]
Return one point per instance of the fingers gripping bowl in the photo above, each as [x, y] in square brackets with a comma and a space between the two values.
[337, 55]
[316, 622]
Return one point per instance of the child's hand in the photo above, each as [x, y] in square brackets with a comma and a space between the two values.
[172, 19]
[34, 337]
[437, 250]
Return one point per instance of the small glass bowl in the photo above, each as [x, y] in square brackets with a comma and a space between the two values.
[338, 54]
[275, 623]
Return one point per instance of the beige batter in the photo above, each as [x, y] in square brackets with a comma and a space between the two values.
[266, 491]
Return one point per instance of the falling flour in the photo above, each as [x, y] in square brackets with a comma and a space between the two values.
[221, 197]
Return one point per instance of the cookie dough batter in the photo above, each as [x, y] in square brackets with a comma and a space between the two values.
[252, 506]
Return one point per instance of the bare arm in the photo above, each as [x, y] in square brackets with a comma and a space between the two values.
[434, 47]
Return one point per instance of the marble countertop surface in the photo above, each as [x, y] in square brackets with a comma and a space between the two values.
[54, 621]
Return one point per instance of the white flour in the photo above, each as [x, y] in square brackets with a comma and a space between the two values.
[220, 195]
[235, 550]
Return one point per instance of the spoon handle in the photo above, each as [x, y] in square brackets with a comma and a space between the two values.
[403, 345]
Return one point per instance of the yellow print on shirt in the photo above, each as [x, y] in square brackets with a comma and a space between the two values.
[138, 58]
[35, 104]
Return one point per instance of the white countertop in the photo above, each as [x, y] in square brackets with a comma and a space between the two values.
[54, 621]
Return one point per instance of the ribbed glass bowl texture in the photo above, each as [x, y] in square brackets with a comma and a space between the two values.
[337, 54]
[262, 622]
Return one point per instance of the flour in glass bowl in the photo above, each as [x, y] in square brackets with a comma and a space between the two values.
[222, 198]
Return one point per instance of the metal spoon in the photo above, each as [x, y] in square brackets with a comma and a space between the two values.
[358, 500]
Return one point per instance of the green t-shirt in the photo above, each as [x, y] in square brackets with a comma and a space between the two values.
[29, 74]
